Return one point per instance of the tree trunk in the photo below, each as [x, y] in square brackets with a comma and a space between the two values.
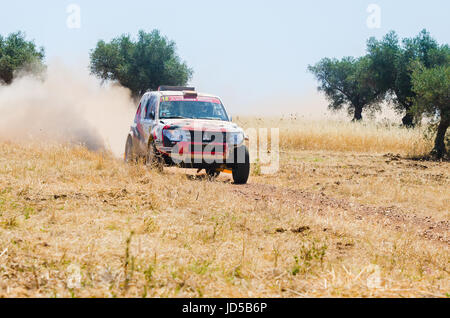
[408, 120]
[358, 113]
[439, 150]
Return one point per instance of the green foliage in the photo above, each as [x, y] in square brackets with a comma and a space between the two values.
[391, 66]
[18, 54]
[149, 62]
[348, 82]
[384, 56]
[432, 89]
[384, 74]
[432, 98]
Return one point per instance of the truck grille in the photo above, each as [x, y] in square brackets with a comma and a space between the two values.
[208, 136]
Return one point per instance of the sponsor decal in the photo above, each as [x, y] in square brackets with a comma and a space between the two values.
[198, 99]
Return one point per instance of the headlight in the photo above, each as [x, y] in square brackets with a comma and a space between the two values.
[175, 135]
[235, 138]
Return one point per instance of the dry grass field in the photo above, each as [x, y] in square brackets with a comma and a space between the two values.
[348, 214]
[343, 135]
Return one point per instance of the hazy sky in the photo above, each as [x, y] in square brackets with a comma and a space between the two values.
[250, 52]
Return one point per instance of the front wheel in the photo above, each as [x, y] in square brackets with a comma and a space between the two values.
[241, 169]
[154, 159]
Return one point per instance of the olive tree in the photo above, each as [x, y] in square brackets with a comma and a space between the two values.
[348, 83]
[18, 54]
[432, 89]
[140, 65]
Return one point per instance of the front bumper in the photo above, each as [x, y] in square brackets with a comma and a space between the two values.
[199, 152]
[199, 147]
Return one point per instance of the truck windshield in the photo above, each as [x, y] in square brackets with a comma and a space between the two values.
[192, 109]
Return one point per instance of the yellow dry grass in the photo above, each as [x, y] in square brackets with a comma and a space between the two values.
[374, 137]
[75, 223]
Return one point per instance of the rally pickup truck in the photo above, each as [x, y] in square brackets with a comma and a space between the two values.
[177, 126]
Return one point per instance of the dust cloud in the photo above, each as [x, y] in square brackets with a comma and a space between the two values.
[67, 105]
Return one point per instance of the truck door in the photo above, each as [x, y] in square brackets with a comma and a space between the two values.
[140, 133]
[147, 120]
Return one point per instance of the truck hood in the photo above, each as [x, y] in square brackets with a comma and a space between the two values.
[200, 124]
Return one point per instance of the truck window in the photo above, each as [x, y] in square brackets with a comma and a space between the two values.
[150, 104]
[152, 107]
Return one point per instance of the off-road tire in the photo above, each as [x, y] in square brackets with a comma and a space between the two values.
[129, 157]
[241, 171]
[153, 159]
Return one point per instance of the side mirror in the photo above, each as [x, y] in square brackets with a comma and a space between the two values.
[152, 115]
[230, 117]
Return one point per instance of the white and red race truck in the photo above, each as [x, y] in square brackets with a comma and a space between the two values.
[176, 126]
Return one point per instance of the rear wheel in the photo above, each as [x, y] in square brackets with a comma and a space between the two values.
[241, 168]
[130, 157]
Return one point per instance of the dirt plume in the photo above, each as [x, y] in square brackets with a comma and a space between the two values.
[67, 105]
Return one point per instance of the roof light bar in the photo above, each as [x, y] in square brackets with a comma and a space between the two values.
[190, 94]
[176, 88]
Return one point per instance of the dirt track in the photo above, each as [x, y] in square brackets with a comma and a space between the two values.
[319, 203]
